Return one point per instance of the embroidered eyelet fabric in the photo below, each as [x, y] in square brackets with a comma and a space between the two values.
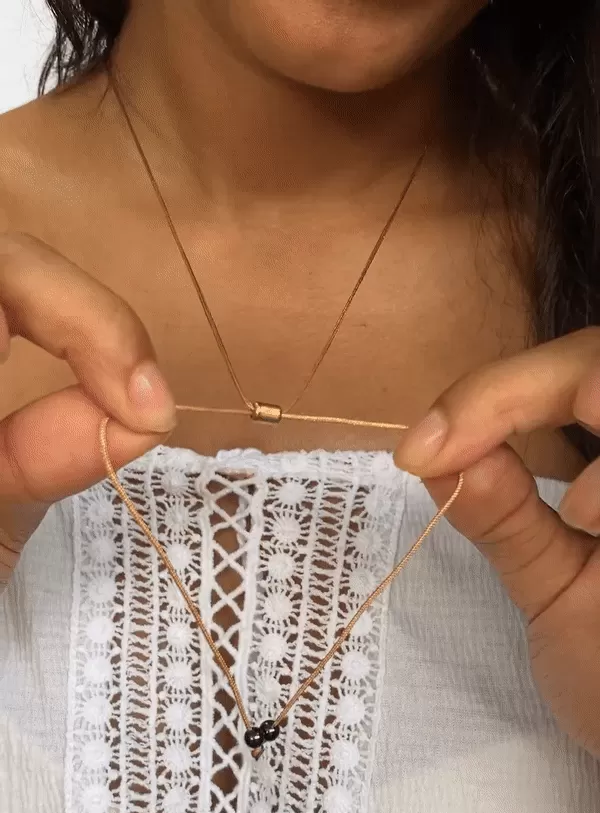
[110, 701]
[278, 553]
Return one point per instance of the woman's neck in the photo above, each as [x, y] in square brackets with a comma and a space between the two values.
[247, 133]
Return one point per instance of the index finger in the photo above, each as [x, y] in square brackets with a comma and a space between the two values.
[535, 389]
[53, 303]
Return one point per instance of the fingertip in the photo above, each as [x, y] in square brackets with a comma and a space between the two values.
[420, 444]
[152, 400]
[54, 447]
[580, 505]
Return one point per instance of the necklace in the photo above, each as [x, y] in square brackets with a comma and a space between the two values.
[256, 736]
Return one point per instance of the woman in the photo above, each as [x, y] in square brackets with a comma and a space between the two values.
[267, 144]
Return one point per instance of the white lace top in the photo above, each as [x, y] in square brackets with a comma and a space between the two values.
[110, 701]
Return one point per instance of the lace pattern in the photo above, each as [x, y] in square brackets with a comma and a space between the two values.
[278, 551]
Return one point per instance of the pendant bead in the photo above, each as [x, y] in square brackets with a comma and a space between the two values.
[266, 413]
[253, 738]
[269, 730]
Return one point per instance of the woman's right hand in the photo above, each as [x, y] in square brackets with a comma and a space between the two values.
[49, 449]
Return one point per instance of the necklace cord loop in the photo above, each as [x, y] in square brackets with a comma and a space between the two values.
[342, 637]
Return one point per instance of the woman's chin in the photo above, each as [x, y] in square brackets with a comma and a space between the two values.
[351, 51]
[342, 73]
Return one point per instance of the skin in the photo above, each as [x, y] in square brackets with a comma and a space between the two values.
[280, 165]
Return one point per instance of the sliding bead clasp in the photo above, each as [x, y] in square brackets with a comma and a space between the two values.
[256, 737]
[267, 413]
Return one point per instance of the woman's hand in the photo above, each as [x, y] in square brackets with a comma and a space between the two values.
[549, 562]
[49, 449]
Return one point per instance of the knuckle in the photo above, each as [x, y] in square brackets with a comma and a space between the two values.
[476, 387]
[87, 317]
[115, 335]
[21, 253]
[14, 244]
[130, 334]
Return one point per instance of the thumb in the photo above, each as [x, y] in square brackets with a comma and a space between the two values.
[535, 554]
[50, 449]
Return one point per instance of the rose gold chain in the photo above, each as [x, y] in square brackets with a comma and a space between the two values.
[267, 413]
[251, 405]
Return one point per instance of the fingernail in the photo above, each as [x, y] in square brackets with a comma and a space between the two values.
[423, 442]
[149, 393]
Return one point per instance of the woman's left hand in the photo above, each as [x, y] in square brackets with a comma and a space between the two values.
[549, 562]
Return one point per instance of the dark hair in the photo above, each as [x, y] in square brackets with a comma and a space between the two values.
[531, 82]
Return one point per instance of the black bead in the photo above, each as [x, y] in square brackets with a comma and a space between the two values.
[269, 731]
[253, 738]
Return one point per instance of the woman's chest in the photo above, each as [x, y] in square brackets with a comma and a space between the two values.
[434, 306]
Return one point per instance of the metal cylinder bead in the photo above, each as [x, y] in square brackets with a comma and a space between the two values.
[267, 413]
